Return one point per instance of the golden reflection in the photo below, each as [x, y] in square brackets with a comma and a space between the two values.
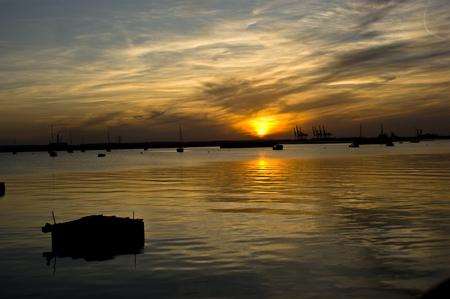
[262, 164]
[264, 168]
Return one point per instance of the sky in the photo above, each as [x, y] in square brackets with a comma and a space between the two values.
[221, 69]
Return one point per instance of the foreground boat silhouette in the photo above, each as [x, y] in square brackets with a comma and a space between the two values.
[96, 237]
[2, 189]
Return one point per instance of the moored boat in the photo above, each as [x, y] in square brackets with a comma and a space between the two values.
[354, 144]
[96, 237]
[278, 147]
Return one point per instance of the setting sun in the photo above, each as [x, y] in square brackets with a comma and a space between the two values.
[262, 126]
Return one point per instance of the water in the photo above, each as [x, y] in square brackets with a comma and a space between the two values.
[312, 221]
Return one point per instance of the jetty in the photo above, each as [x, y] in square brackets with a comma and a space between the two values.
[95, 237]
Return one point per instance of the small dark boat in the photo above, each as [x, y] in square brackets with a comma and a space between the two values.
[53, 154]
[96, 237]
[2, 189]
[70, 150]
[180, 149]
[278, 147]
[389, 143]
[354, 144]
[101, 155]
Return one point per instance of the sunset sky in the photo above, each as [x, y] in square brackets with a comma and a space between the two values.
[222, 69]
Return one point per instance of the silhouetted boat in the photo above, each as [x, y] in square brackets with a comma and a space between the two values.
[354, 144]
[389, 143]
[277, 147]
[440, 291]
[96, 237]
[52, 154]
[2, 188]
[101, 155]
[180, 149]
[70, 150]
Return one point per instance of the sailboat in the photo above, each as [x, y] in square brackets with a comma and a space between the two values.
[180, 149]
[108, 138]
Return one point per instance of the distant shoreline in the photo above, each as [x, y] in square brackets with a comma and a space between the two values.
[219, 143]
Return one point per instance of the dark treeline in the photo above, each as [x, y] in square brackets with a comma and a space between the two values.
[221, 144]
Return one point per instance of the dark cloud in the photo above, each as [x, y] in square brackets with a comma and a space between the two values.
[241, 96]
[102, 119]
[329, 101]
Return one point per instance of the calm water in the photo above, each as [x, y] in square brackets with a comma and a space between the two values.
[313, 221]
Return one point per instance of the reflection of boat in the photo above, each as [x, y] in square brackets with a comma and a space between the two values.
[180, 149]
[53, 154]
[96, 237]
[278, 147]
[354, 144]
[101, 155]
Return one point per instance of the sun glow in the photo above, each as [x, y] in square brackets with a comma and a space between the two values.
[263, 126]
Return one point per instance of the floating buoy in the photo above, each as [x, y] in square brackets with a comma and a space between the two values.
[2, 188]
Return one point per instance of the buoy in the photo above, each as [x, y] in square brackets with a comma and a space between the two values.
[2, 188]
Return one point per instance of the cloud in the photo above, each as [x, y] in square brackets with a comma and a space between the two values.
[148, 65]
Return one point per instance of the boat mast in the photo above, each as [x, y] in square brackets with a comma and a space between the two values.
[181, 134]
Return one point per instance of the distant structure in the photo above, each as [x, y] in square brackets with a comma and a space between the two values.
[299, 134]
[320, 132]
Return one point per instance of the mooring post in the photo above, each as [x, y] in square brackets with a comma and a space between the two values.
[53, 215]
